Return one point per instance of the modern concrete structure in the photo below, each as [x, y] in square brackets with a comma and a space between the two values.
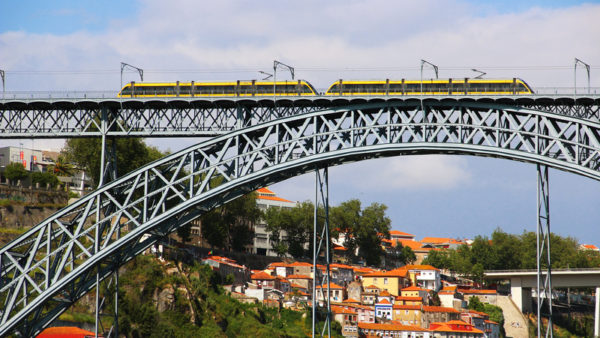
[522, 281]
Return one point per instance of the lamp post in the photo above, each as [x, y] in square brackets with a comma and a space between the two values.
[277, 64]
[435, 68]
[587, 67]
[478, 71]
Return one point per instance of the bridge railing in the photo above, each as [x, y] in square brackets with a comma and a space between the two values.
[107, 94]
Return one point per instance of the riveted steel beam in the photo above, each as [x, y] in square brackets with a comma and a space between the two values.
[54, 263]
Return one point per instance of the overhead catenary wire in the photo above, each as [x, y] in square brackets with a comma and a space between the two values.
[303, 69]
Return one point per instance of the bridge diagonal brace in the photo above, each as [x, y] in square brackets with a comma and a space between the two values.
[544, 281]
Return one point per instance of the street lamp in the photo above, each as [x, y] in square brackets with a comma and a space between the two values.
[126, 65]
[478, 71]
[435, 68]
[277, 64]
[587, 67]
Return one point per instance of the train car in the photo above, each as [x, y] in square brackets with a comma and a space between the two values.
[464, 86]
[202, 89]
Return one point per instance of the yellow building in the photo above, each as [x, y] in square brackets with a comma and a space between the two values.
[392, 281]
[407, 314]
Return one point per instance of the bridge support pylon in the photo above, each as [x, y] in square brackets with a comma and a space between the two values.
[544, 282]
[322, 196]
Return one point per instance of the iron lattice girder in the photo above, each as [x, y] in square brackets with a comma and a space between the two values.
[176, 116]
[54, 263]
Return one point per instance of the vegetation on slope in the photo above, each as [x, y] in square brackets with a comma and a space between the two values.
[201, 307]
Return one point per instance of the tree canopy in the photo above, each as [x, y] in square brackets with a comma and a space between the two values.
[363, 229]
[231, 226]
[131, 154]
[508, 251]
[15, 171]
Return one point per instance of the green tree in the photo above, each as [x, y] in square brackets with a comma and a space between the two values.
[61, 167]
[44, 178]
[439, 259]
[363, 228]
[15, 171]
[297, 223]
[402, 255]
[230, 226]
[131, 153]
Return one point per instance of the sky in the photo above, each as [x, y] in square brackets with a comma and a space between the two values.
[79, 45]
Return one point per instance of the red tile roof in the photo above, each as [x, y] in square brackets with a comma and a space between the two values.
[339, 309]
[298, 277]
[390, 327]
[406, 307]
[420, 267]
[384, 301]
[331, 286]
[453, 326]
[66, 332]
[262, 276]
[351, 300]
[480, 292]
[400, 233]
[413, 288]
[403, 298]
[439, 309]
[399, 273]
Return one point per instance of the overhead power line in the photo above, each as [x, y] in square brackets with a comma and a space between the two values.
[302, 69]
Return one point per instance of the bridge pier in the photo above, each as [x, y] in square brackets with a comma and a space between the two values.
[521, 296]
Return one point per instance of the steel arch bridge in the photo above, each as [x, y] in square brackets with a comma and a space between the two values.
[43, 117]
[56, 262]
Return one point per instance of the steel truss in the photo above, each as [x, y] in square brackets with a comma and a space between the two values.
[544, 281]
[322, 197]
[53, 264]
[181, 117]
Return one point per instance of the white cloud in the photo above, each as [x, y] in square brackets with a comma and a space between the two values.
[409, 173]
[336, 34]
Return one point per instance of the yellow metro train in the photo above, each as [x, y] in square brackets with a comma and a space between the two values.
[238, 88]
[464, 86]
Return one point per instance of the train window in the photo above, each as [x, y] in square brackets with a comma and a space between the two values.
[458, 87]
[184, 90]
[395, 87]
[413, 87]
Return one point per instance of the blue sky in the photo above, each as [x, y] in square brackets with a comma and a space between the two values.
[78, 45]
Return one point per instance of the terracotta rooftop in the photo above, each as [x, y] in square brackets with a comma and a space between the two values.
[390, 327]
[267, 194]
[262, 276]
[413, 288]
[406, 307]
[331, 286]
[481, 292]
[420, 267]
[400, 273]
[384, 301]
[449, 327]
[427, 308]
[298, 277]
[65, 331]
[339, 309]
[400, 233]
[351, 300]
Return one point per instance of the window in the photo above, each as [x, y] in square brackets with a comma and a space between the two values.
[385, 281]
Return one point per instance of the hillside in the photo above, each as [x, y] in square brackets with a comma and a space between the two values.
[164, 299]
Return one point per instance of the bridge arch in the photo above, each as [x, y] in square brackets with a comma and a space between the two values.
[55, 263]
